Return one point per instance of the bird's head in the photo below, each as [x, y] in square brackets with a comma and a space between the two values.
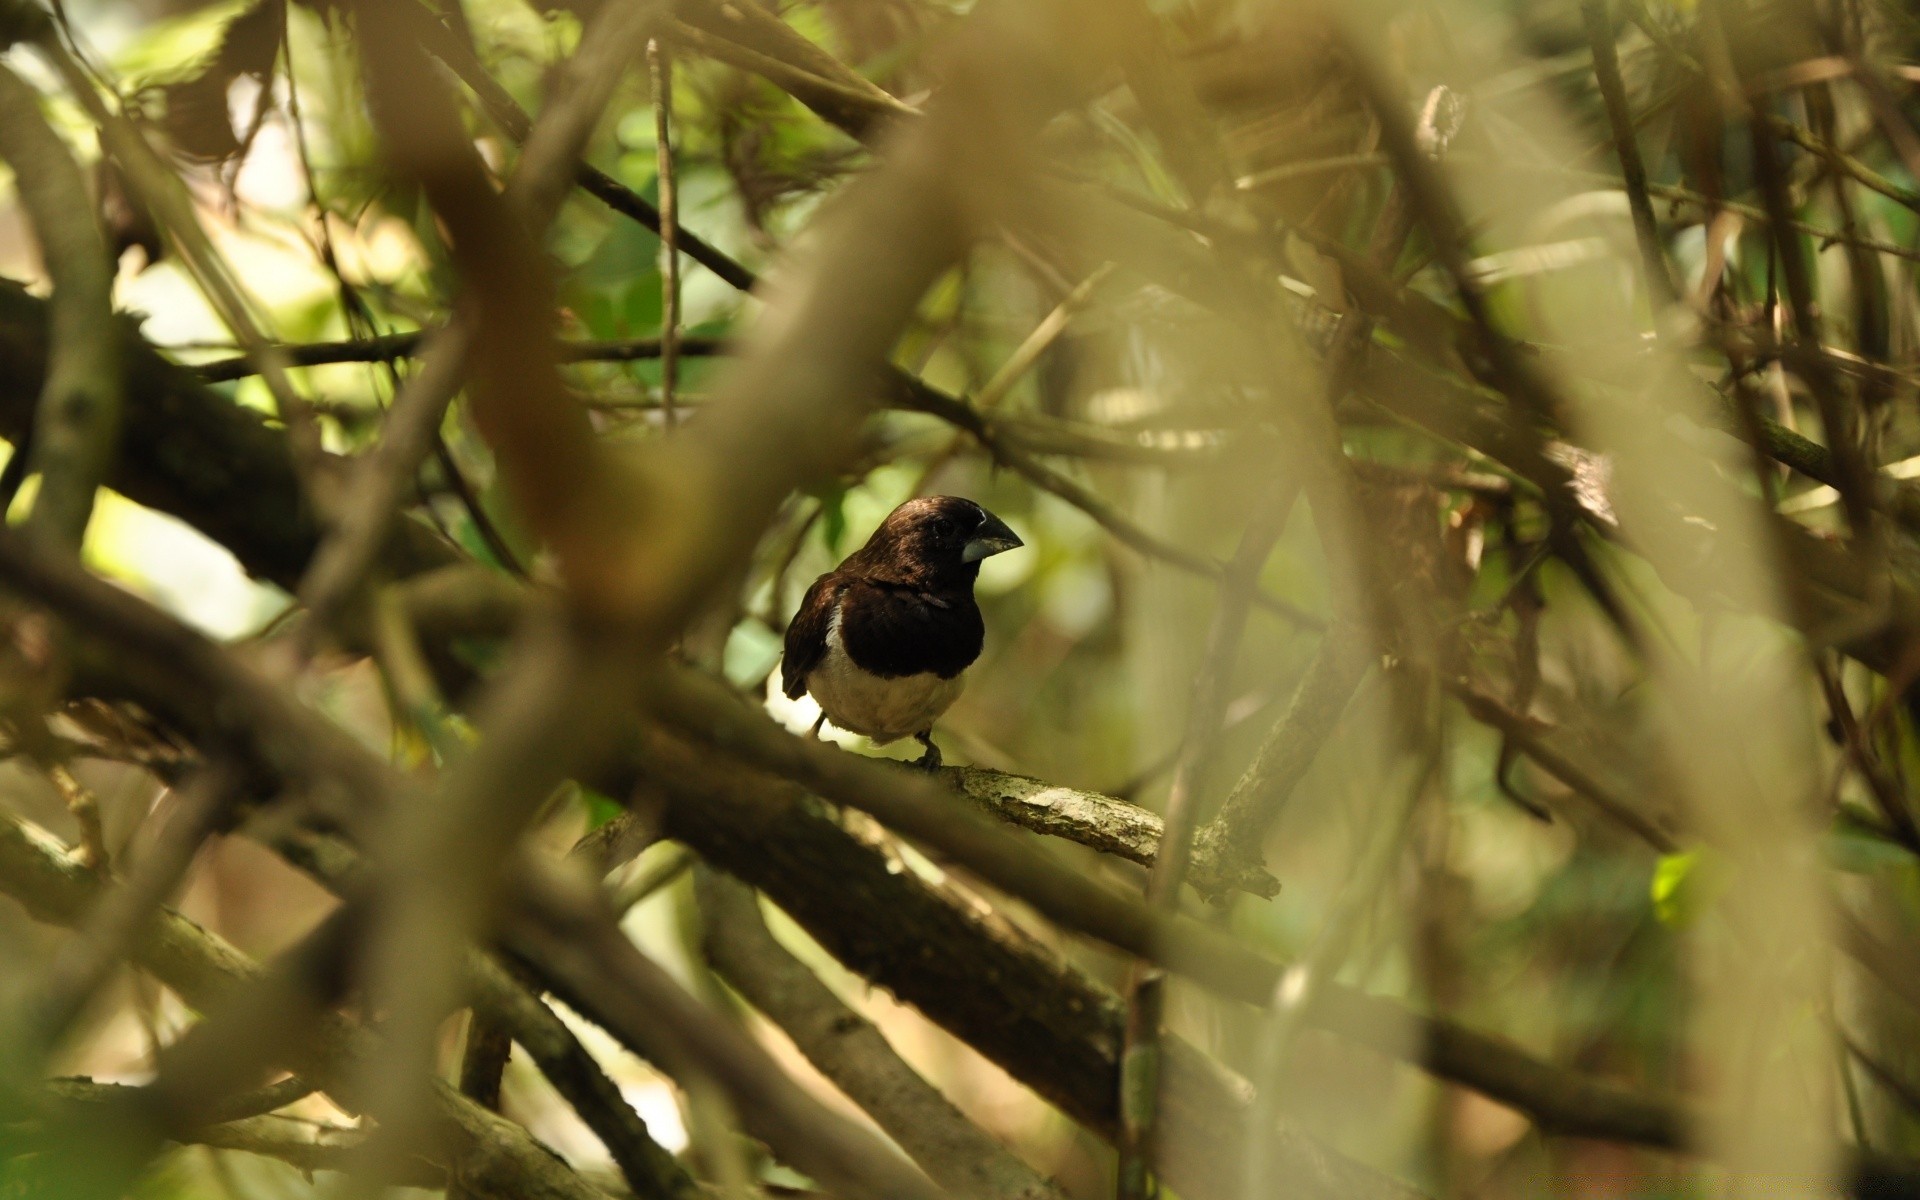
[936, 537]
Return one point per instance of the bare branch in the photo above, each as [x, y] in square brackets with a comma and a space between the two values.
[848, 1050]
[77, 427]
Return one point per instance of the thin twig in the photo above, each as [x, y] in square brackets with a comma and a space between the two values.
[660, 65]
[396, 346]
[1606, 68]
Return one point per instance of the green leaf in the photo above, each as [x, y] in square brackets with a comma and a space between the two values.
[1858, 847]
[1678, 889]
[833, 518]
[600, 807]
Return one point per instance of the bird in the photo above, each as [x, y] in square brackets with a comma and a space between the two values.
[883, 641]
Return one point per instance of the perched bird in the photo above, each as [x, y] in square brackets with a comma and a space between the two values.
[883, 641]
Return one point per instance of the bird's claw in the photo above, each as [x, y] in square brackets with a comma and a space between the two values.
[930, 761]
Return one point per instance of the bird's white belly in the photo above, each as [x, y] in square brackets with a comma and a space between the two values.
[882, 709]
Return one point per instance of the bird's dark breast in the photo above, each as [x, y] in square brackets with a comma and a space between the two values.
[891, 631]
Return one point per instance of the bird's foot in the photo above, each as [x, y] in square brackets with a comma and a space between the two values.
[930, 761]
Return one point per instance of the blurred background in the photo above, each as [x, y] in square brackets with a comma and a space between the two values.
[1633, 731]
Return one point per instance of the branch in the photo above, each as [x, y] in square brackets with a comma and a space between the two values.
[1235, 836]
[970, 970]
[308, 1145]
[501, 998]
[1528, 737]
[1100, 822]
[567, 933]
[1606, 69]
[42, 1019]
[77, 426]
[856, 108]
[483, 1064]
[189, 452]
[854, 1055]
[921, 808]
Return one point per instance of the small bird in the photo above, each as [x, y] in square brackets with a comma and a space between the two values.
[883, 641]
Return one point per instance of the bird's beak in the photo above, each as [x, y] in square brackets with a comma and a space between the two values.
[990, 539]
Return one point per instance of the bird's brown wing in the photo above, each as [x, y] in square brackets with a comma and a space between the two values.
[807, 634]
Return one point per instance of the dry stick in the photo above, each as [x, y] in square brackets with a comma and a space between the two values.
[566, 932]
[1027, 432]
[85, 808]
[1888, 112]
[660, 64]
[1842, 163]
[1031, 347]
[1613, 92]
[1016, 366]
[76, 426]
[854, 1055]
[648, 1167]
[553, 147]
[263, 1100]
[756, 39]
[676, 862]
[817, 92]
